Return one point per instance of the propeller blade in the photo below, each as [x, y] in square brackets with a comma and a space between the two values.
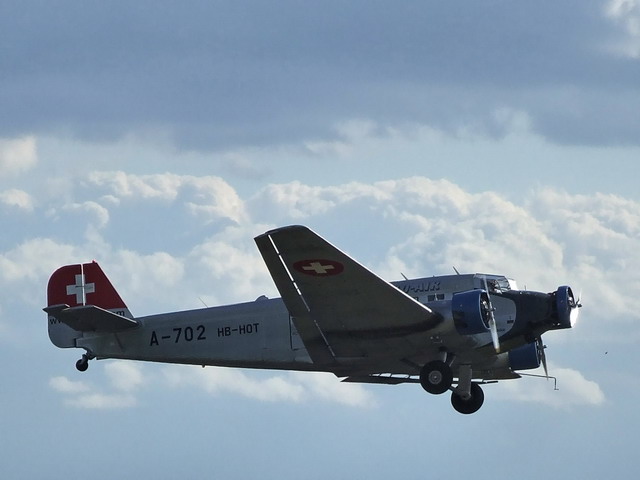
[494, 334]
[493, 327]
[575, 310]
[578, 304]
[543, 357]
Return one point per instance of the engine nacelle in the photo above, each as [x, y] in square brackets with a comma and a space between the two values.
[525, 357]
[470, 312]
[565, 308]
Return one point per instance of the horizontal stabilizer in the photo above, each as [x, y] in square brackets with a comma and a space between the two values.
[89, 318]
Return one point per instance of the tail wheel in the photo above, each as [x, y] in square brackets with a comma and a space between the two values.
[471, 404]
[436, 377]
[83, 363]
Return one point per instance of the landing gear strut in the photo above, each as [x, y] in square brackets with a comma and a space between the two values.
[467, 397]
[470, 404]
[83, 363]
[436, 377]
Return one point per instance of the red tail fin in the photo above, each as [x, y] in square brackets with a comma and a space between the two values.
[77, 285]
[84, 284]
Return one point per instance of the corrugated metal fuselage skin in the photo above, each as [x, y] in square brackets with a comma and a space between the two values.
[261, 334]
[252, 335]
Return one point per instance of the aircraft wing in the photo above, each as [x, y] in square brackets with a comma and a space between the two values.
[89, 318]
[341, 309]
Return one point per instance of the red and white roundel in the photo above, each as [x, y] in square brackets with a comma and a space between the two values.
[319, 267]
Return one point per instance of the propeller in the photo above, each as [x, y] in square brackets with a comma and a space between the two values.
[575, 306]
[543, 356]
[493, 328]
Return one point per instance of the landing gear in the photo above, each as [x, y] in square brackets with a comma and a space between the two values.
[436, 377]
[468, 404]
[83, 363]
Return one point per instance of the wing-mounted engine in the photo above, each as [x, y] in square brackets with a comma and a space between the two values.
[470, 311]
[526, 357]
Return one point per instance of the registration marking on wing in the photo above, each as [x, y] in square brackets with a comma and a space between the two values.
[319, 267]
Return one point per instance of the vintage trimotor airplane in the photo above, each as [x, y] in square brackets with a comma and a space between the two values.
[451, 332]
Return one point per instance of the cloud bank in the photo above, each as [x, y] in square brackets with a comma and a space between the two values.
[420, 227]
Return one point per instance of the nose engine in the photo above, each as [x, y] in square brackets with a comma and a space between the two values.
[541, 312]
[566, 308]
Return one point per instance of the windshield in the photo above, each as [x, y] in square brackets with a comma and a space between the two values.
[495, 283]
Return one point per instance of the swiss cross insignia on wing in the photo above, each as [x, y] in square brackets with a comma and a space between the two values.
[319, 267]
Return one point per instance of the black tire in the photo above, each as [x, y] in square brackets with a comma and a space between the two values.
[436, 377]
[82, 364]
[471, 405]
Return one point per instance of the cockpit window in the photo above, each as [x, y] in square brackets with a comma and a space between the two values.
[503, 284]
[495, 283]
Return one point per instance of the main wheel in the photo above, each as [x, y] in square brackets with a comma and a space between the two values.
[470, 405]
[436, 377]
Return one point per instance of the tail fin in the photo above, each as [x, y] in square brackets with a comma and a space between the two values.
[80, 288]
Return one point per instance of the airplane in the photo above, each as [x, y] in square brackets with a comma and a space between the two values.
[448, 333]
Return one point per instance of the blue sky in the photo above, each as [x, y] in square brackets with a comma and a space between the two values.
[160, 137]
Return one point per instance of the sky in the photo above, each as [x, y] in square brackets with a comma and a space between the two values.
[159, 138]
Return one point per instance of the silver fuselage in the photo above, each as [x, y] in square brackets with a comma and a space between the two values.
[261, 334]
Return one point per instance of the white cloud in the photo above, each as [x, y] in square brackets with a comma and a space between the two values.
[217, 380]
[243, 166]
[327, 387]
[102, 401]
[35, 259]
[213, 200]
[573, 389]
[349, 133]
[228, 271]
[293, 200]
[626, 14]
[511, 121]
[162, 186]
[18, 199]
[64, 385]
[298, 201]
[293, 387]
[600, 237]
[124, 376]
[142, 277]
[143, 271]
[124, 379]
[98, 214]
[17, 155]
[208, 198]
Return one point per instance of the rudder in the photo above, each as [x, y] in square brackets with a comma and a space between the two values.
[78, 285]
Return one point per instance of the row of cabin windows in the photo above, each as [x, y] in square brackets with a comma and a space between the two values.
[434, 297]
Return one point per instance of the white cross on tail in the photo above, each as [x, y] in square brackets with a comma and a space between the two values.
[80, 289]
